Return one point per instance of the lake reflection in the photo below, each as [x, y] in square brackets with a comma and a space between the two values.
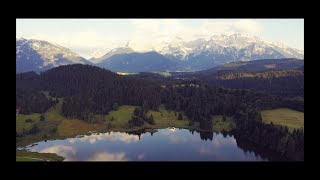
[164, 145]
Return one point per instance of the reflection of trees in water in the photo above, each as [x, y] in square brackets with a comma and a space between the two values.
[225, 133]
[247, 146]
[206, 136]
[203, 135]
[243, 144]
[138, 133]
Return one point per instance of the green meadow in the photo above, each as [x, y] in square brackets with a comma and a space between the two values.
[284, 116]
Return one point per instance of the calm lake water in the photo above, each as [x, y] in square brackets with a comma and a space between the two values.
[164, 145]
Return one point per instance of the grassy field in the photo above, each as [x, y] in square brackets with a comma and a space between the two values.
[22, 155]
[53, 114]
[56, 127]
[121, 116]
[27, 159]
[74, 127]
[21, 124]
[165, 118]
[162, 118]
[166, 74]
[220, 125]
[284, 116]
[125, 73]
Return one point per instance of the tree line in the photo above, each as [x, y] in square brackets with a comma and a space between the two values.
[283, 83]
[31, 101]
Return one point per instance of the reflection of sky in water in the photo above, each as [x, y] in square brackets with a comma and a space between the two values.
[166, 144]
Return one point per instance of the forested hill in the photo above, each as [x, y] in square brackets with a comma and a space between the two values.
[282, 83]
[280, 77]
[90, 89]
[87, 91]
[28, 80]
[258, 65]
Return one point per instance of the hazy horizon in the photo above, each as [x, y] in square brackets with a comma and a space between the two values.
[91, 37]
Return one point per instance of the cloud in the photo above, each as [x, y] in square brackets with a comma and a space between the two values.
[92, 140]
[166, 132]
[141, 156]
[248, 26]
[82, 42]
[153, 34]
[178, 139]
[206, 150]
[217, 145]
[228, 27]
[72, 140]
[112, 136]
[210, 28]
[143, 34]
[106, 156]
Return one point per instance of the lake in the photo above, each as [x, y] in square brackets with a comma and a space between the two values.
[169, 144]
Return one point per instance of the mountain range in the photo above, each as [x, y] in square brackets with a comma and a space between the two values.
[37, 55]
[138, 62]
[176, 55]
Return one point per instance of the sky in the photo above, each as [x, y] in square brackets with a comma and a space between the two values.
[91, 37]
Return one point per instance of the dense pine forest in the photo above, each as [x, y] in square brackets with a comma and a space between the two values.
[282, 83]
[88, 91]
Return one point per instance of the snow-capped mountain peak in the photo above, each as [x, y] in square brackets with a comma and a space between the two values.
[37, 55]
[280, 44]
[223, 48]
[198, 54]
[119, 50]
[237, 40]
[177, 48]
[176, 41]
[242, 35]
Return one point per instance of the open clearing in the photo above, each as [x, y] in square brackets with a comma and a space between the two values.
[284, 116]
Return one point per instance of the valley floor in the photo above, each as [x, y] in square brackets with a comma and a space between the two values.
[56, 126]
